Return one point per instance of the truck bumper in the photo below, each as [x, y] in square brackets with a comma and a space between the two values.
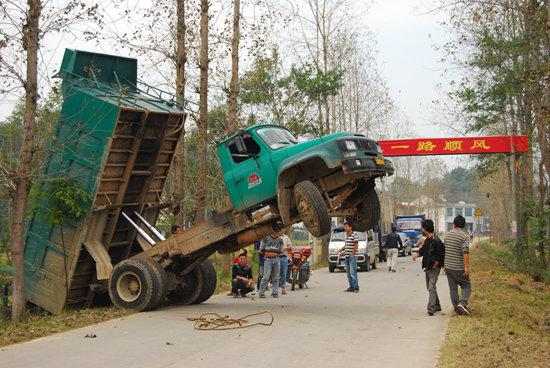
[367, 164]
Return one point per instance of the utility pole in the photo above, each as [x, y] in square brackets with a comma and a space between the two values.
[515, 217]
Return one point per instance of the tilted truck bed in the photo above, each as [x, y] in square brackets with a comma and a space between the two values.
[118, 142]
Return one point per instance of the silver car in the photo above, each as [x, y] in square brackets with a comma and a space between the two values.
[406, 249]
[366, 252]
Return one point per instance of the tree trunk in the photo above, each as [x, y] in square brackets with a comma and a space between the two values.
[24, 178]
[200, 195]
[234, 84]
[179, 156]
[233, 94]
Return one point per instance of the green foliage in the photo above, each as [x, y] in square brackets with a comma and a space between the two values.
[286, 98]
[314, 83]
[60, 199]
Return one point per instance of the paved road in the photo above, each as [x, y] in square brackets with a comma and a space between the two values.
[385, 325]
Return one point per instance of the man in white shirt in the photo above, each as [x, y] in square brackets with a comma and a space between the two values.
[283, 259]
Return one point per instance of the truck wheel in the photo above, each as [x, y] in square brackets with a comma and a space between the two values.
[162, 276]
[331, 269]
[135, 284]
[368, 212]
[188, 288]
[209, 281]
[312, 209]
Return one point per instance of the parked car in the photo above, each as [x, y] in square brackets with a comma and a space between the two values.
[406, 249]
[366, 252]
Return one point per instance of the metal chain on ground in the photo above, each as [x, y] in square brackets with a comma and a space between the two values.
[213, 321]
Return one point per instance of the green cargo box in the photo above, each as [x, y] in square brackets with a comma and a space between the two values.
[117, 140]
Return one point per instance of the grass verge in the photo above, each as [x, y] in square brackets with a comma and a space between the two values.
[39, 325]
[510, 322]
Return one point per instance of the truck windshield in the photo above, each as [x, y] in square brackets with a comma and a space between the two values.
[409, 225]
[276, 137]
[341, 235]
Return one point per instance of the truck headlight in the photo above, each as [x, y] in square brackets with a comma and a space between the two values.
[378, 149]
[351, 145]
[350, 154]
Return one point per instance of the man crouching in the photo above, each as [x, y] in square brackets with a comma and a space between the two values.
[241, 274]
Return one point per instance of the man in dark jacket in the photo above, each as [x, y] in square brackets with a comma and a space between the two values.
[392, 245]
[432, 253]
[241, 275]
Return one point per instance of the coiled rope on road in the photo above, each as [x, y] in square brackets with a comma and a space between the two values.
[213, 321]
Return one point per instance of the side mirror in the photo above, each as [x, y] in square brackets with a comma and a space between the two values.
[239, 144]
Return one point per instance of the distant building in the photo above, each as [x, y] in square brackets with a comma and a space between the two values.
[468, 210]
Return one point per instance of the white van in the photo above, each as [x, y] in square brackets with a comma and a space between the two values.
[366, 253]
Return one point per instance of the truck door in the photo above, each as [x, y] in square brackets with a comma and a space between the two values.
[253, 173]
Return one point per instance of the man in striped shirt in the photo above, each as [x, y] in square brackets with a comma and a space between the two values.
[350, 248]
[457, 265]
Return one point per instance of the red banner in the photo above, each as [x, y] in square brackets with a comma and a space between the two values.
[454, 146]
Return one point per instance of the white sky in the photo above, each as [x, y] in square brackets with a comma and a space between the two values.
[406, 34]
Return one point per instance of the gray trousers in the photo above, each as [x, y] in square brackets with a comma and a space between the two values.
[455, 279]
[431, 281]
[272, 269]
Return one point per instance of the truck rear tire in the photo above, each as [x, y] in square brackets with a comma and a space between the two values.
[135, 284]
[162, 276]
[209, 281]
[312, 208]
[188, 288]
[368, 212]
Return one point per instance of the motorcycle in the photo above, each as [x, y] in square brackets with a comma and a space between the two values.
[299, 267]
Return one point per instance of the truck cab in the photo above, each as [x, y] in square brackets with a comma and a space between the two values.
[263, 164]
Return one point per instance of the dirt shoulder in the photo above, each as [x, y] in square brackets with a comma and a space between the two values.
[510, 322]
[35, 326]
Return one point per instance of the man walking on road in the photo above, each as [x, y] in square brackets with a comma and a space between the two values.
[432, 253]
[350, 248]
[457, 265]
[271, 247]
[393, 242]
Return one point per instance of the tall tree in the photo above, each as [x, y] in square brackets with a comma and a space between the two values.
[180, 61]
[234, 84]
[21, 67]
[200, 195]
[23, 179]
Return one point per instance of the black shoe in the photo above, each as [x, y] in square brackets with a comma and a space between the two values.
[349, 290]
[356, 290]
[389, 269]
[393, 271]
[243, 295]
[430, 313]
[463, 310]
[438, 309]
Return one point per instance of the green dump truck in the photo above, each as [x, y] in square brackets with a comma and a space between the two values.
[117, 137]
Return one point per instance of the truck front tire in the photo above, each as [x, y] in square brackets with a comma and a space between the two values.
[135, 284]
[368, 212]
[312, 208]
